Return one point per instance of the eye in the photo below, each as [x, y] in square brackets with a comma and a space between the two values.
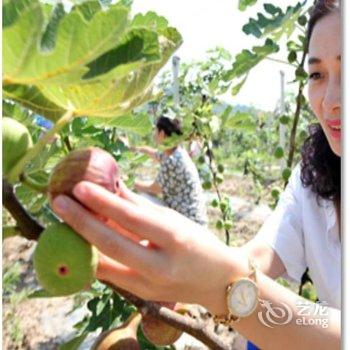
[315, 76]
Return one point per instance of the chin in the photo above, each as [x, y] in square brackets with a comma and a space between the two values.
[336, 148]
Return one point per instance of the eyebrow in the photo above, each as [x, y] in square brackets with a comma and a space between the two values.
[315, 60]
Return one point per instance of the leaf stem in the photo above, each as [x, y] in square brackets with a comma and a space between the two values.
[38, 147]
[280, 61]
[68, 144]
[33, 184]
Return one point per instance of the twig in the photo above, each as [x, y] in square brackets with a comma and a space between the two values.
[29, 227]
[279, 61]
[296, 117]
[224, 216]
[66, 141]
[33, 184]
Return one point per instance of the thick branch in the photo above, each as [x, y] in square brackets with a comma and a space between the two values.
[197, 328]
[28, 226]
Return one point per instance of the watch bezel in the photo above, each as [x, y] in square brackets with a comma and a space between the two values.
[231, 290]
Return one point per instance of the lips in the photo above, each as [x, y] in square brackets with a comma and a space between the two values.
[334, 126]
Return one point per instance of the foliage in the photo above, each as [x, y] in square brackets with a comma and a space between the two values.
[107, 74]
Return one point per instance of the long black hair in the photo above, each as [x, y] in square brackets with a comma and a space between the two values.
[320, 166]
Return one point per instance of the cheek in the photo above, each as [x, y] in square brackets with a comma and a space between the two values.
[315, 98]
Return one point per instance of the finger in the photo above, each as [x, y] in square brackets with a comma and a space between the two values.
[131, 196]
[107, 240]
[140, 220]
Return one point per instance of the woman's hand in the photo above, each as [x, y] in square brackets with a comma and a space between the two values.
[152, 251]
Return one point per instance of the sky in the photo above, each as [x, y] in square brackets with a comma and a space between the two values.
[205, 24]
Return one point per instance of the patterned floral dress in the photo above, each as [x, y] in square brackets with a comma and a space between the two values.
[181, 186]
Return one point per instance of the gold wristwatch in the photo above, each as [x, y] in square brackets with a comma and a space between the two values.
[242, 297]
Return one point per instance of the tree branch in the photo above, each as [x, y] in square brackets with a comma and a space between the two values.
[28, 226]
[299, 99]
[197, 328]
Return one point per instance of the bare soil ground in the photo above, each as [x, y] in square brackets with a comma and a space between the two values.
[42, 324]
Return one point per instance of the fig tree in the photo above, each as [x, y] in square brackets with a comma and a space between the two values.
[16, 140]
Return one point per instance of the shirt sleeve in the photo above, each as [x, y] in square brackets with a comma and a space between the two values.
[283, 229]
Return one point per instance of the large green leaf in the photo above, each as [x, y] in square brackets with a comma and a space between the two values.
[248, 59]
[150, 20]
[137, 123]
[32, 98]
[118, 91]
[94, 62]
[49, 37]
[78, 42]
[275, 22]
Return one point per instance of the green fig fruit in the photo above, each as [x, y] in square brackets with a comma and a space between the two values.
[279, 152]
[16, 140]
[221, 168]
[121, 338]
[207, 185]
[88, 164]
[64, 262]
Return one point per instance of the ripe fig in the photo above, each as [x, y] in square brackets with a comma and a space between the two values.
[121, 338]
[64, 262]
[160, 333]
[88, 164]
[16, 140]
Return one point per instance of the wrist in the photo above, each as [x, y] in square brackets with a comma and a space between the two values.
[235, 266]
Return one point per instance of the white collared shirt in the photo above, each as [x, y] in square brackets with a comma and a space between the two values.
[304, 233]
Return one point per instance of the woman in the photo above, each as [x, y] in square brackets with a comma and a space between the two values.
[177, 180]
[174, 263]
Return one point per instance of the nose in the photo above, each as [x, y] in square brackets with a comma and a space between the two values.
[332, 98]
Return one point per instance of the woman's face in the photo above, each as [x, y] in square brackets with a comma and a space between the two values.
[158, 136]
[325, 77]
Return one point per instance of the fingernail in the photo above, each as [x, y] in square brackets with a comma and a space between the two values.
[79, 191]
[60, 203]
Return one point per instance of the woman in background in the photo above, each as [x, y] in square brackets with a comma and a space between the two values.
[178, 180]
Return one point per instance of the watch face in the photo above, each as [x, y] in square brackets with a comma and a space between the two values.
[243, 297]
